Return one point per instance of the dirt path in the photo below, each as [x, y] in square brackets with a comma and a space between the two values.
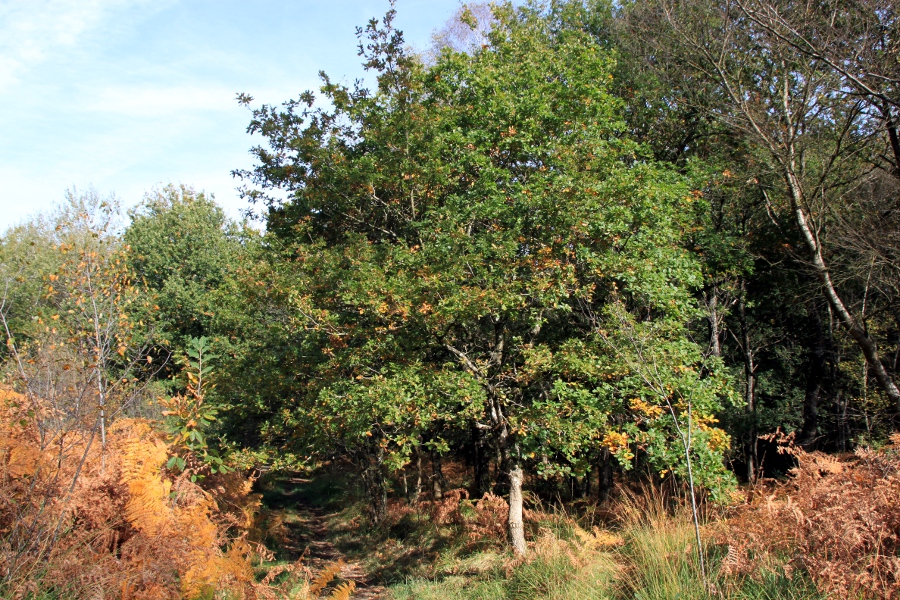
[312, 534]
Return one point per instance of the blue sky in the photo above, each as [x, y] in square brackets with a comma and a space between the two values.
[124, 95]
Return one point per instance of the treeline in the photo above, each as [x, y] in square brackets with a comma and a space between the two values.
[576, 239]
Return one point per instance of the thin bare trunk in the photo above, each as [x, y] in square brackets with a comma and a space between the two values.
[417, 490]
[405, 484]
[752, 446]
[686, 439]
[750, 384]
[516, 522]
[437, 477]
[865, 343]
[712, 305]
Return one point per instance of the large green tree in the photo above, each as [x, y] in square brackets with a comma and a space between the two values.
[203, 275]
[466, 240]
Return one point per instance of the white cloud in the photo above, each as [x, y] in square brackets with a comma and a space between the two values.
[33, 30]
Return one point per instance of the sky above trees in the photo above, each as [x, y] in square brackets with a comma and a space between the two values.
[123, 95]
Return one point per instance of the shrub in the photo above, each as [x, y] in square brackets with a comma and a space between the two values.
[80, 521]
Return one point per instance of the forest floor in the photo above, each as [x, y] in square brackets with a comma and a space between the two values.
[318, 523]
[319, 520]
[311, 524]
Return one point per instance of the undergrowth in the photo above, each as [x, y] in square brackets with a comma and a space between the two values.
[132, 528]
[88, 521]
[837, 518]
[648, 554]
[831, 529]
[455, 549]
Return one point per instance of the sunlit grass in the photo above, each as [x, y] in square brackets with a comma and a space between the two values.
[650, 554]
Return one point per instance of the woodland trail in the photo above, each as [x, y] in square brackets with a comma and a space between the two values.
[314, 532]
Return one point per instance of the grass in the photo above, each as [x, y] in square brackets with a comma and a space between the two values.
[650, 555]
[633, 572]
[455, 587]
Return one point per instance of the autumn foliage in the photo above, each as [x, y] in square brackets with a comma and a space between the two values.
[127, 528]
[836, 517]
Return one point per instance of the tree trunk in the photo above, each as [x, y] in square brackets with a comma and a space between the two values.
[516, 523]
[712, 304]
[417, 490]
[750, 386]
[753, 434]
[896, 360]
[865, 343]
[405, 484]
[843, 429]
[502, 448]
[376, 490]
[437, 476]
[375, 483]
[887, 115]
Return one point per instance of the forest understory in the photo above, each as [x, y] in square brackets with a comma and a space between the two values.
[826, 530]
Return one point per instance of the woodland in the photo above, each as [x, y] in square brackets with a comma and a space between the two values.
[591, 299]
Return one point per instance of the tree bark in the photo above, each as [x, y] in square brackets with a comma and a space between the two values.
[375, 483]
[516, 522]
[859, 335]
[750, 385]
[417, 490]
[753, 434]
[887, 115]
[437, 476]
[712, 304]
[405, 484]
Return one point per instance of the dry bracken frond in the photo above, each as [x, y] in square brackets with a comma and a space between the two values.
[343, 591]
[839, 518]
[128, 529]
[490, 516]
[143, 457]
[325, 576]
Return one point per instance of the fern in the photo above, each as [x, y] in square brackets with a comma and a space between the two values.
[838, 516]
[325, 577]
[143, 456]
[178, 518]
[343, 591]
